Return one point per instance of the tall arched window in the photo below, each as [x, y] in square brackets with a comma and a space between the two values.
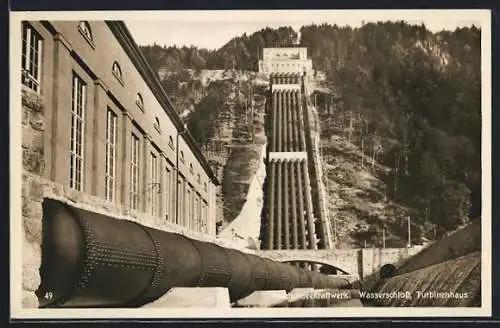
[191, 167]
[139, 101]
[181, 156]
[84, 28]
[117, 72]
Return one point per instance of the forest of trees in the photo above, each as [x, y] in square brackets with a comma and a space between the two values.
[183, 89]
[413, 95]
[241, 52]
[206, 116]
[417, 96]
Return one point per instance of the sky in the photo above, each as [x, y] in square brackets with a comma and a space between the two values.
[212, 29]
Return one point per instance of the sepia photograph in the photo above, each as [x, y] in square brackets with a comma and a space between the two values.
[252, 163]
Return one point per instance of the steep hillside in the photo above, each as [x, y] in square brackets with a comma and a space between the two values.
[228, 126]
[360, 211]
[389, 93]
[223, 110]
[410, 99]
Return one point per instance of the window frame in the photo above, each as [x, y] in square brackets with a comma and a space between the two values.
[134, 172]
[168, 201]
[156, 124]
[110, 172]
[196, 214]
[26, 51]
[154, 183]
[171, 142]
[77, 138]
[139, 101]
[86, 32]
[188, 207]
[180, 201]
[117, 72]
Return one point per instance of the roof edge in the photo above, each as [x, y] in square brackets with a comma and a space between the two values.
[124, 37]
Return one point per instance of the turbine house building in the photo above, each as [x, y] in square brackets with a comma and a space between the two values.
[99, 133]
[285, 60]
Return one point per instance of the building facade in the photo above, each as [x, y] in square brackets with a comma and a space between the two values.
[98, 131]
[285, 60]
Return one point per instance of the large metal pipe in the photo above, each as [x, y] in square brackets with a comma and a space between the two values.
[298, 119]
[294, 124]
[286, 217]
[290, 122]
[93, 260]
[279, 217]
[278, 120]
[275, 122]
[284, 120]
[300, 196]
[272, 180]
[311, 231]
[295, 232]
[301, 120]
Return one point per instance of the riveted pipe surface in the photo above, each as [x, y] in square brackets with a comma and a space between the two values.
[93, 260]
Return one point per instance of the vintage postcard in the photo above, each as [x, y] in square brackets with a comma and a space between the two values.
[257, 164]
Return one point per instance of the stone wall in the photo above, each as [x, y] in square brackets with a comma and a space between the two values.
[374, 258]
[32, 193]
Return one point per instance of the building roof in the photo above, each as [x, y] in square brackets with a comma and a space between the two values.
[285, 74]
[287, 46]
[122, 34]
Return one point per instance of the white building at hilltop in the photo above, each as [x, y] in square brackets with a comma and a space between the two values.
[285, 60]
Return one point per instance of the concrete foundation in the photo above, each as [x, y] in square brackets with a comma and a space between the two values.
[264, 298]
[207, 297]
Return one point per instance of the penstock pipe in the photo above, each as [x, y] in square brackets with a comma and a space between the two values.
[93, 260]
